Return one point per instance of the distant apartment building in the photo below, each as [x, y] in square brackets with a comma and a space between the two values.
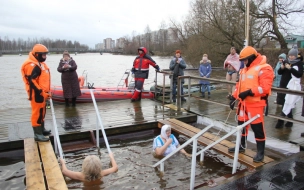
[120, 42]
[109, 44]
[99, 46]
[172, 35]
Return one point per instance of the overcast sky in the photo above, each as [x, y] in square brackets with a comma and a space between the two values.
[87, 21]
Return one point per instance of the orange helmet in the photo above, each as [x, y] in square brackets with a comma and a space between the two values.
[39, 49]
[248, 52]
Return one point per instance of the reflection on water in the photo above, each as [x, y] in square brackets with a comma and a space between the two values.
[12, 175]
[72, 121]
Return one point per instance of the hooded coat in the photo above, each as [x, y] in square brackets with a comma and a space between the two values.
[286, 76]
[69, 79]
[205, 71]
[276, 82]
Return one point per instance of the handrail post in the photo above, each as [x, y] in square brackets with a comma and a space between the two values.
[100, 122]
[97, 132]
[171, 86]
[193, 163]
[202, 157]
[162, 167]
[178, 101]
[164, 88]
[189, 92]
[236, 153]
[155, 87]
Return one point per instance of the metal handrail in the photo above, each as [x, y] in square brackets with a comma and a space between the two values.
[100, 123]
[201, 152]
[164, 83]
[57, 143]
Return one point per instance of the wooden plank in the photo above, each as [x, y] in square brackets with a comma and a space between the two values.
[212, 137]
[248, 161]
[33, 170]
[51, 167]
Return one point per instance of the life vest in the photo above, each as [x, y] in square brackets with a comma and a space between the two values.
[249, 78]
[42, 82]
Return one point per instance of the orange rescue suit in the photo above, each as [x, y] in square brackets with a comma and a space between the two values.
[36, 77]
[258, 77]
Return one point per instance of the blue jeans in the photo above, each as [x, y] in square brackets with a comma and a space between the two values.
[174, 90]
[204, 87]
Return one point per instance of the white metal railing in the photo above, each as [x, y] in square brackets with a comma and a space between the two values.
[100, 123]
[57, 143]
[201, 152]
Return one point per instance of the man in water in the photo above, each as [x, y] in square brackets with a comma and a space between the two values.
[37, 79]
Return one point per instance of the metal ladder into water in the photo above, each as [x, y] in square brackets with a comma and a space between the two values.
[195, 153]
[125, 80]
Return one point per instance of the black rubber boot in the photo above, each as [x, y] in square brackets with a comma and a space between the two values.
[259, 157]
[67, 102]
[74, 102]
[242, 145]
[209, 95]
[38, 136]
[279, 124]
[289, 124]
[44, 131]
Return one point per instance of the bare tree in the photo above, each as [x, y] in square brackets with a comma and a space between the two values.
[274, 15]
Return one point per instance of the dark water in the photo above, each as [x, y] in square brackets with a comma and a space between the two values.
[134, 159]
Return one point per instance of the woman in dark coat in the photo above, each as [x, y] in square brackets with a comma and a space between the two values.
[69, 78]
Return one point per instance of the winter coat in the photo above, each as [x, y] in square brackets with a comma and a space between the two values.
[177, 68]
[276, 82]
[69, 79]
[205, 71]
[286, 76]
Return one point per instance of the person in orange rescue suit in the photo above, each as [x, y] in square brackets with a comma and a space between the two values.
[252, 91]
[37, 79]
[141, 71]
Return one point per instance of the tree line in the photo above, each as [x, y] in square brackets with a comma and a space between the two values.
[23, 45]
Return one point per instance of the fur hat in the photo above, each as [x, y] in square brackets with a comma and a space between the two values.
[178, 51]
[293, 51]
[66, 53]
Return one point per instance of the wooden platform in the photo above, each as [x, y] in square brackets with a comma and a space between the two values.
[41, 166]
[245, 158]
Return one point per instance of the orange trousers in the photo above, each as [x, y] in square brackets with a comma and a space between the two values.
[38, 104]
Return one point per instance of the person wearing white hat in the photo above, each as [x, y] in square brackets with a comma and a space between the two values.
[165, 143]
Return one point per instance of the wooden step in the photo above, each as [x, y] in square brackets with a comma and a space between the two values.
[51, 167]
[208, 138]
[33, 169]
[41, 165]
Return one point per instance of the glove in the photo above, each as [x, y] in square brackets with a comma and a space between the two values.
[133, 70]
[232, 102]
[45, 95]
[157, 67]
[246, 93]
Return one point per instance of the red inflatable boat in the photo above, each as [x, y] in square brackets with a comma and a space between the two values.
[101, 94]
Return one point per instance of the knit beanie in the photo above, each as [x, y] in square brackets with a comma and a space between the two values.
[293, 51]
[178, 51]
[66, 53]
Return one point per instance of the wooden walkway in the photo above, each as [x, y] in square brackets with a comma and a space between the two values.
[245, 158]
[41, 166]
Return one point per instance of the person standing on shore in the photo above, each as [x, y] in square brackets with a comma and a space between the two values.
[140, 70]
[291, 71]
[277, 76]
[177, 65]
[232, 64]
[252, 91]
[205, 72]
[69, 79]
[37, 78]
